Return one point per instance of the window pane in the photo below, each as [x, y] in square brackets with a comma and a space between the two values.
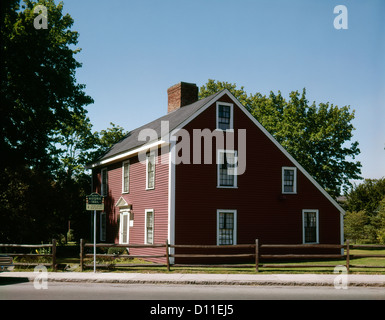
[288, 180]
[226, 228]
[150, 171]
[104, 190]
[310, 225]
[224, 117]
[150, 227]
[125, 177]
[102, 226]
[226, 169]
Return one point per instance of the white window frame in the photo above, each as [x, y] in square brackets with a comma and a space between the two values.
[294, 182]
[231, 105]
[146, 211]
[304, 211]
[102, 187]
[235, 184]
[103, 226]
[123, 172]
[122, 214]
[234, 212]
[151, 154]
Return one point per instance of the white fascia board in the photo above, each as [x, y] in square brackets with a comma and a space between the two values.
[126, 154]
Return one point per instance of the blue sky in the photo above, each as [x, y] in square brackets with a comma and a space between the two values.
[133, 50]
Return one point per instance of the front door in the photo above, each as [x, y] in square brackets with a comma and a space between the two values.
[124, 228]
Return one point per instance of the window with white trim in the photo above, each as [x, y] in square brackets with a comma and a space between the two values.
[126, 177]
[149, 227]
[224, 116]
[150, 170]
[289, 180]
[310, 226]
[104, 182]
[103, 226]
[226, 227]
[227, 168]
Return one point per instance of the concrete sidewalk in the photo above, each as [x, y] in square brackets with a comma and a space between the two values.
[203, 279]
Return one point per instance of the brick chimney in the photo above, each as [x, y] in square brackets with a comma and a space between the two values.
[181, 95]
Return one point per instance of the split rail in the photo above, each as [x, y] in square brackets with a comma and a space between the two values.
[166, 253]
[41, 250]
[254, 254]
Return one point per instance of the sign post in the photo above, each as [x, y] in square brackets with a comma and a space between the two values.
[95, 202]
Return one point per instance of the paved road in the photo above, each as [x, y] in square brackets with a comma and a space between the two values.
[94, 291]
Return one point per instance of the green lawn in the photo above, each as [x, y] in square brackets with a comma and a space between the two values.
[72, 264]
[301, 266]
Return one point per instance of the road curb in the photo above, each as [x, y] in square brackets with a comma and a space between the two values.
[202, 279]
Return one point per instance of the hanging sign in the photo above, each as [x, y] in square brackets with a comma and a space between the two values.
[95, 201]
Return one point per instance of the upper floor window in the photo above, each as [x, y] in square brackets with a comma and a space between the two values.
[227, 168]
[126, 177]
[104, 182]
[289, 180]
[224, 116]
[150, 170]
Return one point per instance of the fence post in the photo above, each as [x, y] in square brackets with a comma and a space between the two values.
[347, 255]
[81, 254]
[167, 256]
[256, 255]
[54, 255]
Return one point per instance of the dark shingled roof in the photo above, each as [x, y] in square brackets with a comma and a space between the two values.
[174, 118]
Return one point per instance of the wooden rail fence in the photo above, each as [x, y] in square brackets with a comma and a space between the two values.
[51, 255]
[255, 255]
[167, 253]
[83, 255]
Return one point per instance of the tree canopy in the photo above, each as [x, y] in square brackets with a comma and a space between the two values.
[39, 92]
[365, 216]
[317, 136]
[43, 122]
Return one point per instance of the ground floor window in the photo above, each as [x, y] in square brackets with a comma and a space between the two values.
[310, 226]
[149, 227]
[102, 226]
[226, 227]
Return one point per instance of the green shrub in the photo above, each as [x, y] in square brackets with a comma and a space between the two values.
[116, 250]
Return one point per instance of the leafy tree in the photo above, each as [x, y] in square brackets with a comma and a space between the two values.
[75, 143]
[316, 136]
[380, 230]
[367, 200]
[38, 91]
[354, 225]
[366, 196]
[105, 139]
[42, 106]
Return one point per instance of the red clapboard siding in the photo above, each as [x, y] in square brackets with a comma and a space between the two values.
[262, 212]
[140, 199]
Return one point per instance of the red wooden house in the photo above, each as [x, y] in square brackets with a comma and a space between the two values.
[160, 184]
